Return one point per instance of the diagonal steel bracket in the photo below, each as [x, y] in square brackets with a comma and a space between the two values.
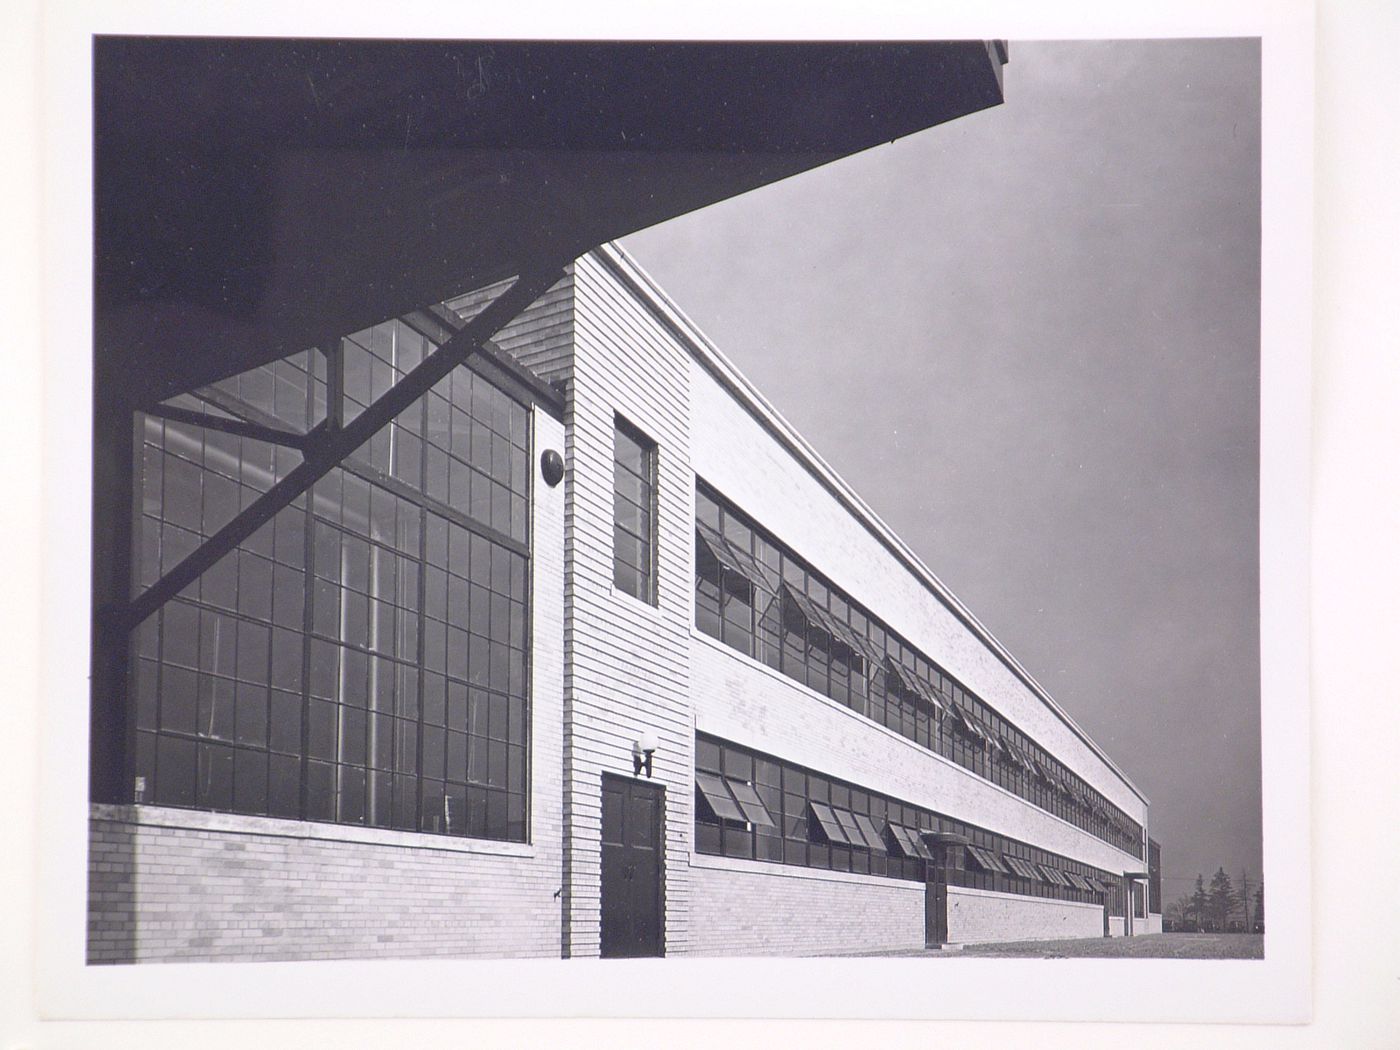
[327, 446]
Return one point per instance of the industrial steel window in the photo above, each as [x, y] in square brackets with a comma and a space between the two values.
[1022, 868]
[362, 658]
[731, 799]
[757, 597]
[634, 512]
[988, 861]
[820, 822]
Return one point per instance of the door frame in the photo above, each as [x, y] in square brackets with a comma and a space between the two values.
[660, 790]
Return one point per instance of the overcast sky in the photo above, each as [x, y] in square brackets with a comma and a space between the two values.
[1048, 314]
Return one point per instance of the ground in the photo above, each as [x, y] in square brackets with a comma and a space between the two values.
[1147, 946]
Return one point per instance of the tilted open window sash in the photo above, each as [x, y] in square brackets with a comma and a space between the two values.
[737, 560]
[755, 812]
[964, 723]
[910, 843]
[732, 799]
[713, 790]
[1023, 868]
[1056, 876]
[828, 824]
[840, 633]
[1079, 881]
[988, 861]
[912, 683]
[847, 820]
[1027, 763]
[872, 836]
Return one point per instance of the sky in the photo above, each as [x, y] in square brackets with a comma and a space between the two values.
[1046, 313]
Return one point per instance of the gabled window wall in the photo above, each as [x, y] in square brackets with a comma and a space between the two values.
[760, 598]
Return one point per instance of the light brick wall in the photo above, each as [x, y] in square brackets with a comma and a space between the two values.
[979, 916]
[754, 908]
[167, 884]
[171, 893]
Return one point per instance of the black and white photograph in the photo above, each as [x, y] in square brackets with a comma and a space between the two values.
[771, 525]
[419, 517]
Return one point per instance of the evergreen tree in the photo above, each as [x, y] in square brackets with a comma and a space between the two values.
[1200, 903]
[1223, 899]
[1179, 912]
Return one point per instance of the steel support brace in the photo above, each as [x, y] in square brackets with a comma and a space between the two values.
[331, 444]
[256, 431]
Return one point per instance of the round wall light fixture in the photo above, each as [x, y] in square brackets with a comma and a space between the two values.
[552, 467]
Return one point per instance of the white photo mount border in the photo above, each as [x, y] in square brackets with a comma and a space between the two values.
[1273, 990]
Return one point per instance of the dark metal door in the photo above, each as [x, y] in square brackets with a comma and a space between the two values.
[633, 895]
[935, 908]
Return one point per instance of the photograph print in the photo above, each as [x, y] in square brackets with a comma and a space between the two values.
[531, 480]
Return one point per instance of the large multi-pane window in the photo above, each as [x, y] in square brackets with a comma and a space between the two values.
[760, 598]
[634, 512]
[362, 658]
[753, 806]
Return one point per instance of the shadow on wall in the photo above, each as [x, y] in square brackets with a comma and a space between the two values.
[111, 893]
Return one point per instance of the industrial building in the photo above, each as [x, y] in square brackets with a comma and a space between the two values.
[514, 622]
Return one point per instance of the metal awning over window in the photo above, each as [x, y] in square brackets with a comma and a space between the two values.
[1023, 868]
[873, 839]
[826, 820]
[1080, 882]
[733, 799]
[912, 683]
[1014, 754]
[840, 633]
[909, 841]
[843, 827]
[737, 560]
[1055, 875]
[988, 861]
[964, 722]
[1018, 757]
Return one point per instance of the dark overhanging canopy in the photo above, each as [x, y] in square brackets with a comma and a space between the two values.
[254, 197]
[257, 198]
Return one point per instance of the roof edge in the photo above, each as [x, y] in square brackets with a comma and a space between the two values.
[620, 262]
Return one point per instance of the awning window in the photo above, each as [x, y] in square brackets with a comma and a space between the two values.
[847, 820]
[1055, 875]
[736, 559]
[873, 838]
[732, 799]
[912, 683]
[829, 825]
[754, 809]
[909, 841]
[988, 861]
[967, 725]
[1023, 868]
[840, 633]
[1079, 881]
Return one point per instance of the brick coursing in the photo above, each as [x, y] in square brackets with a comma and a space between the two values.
[978, 916]
[183, 894]
[763, 912]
